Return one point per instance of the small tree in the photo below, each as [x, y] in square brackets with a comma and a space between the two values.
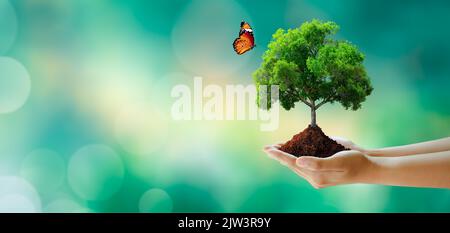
[309, 66]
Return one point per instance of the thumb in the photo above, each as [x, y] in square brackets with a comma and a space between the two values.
[317, 164]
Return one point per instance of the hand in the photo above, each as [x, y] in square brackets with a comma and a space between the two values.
[349, 144]
[344, 167]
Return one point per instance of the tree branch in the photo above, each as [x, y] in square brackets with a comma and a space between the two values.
[323, 102]
[306, 102]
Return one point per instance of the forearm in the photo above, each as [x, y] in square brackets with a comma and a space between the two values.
[412, 149]
[424, 170]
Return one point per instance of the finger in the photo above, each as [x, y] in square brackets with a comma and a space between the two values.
[343, 141]
[289, 161]
[316, 179]
[337, 138]
[283, 157]
[271, 147]
[343, 159]
[305, 176]
[278, 145]
[323, 178]
[268, 148]
[319, 164]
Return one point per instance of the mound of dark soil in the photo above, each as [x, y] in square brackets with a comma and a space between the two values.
[312, 142]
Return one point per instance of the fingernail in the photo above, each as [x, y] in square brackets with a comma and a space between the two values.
[266, 148]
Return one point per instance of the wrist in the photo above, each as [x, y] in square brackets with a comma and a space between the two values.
[377, 168]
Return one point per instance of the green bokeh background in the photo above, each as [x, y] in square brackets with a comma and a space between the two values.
[95, 133]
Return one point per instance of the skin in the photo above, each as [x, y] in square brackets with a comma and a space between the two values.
[425, 164]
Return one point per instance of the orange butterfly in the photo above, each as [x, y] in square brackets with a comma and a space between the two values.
[245, 42]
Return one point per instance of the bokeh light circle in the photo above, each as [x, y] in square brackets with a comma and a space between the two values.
[8, 26]
[44, 169]
[17, 195]
[65, 205]
[95, 172]
[155, 201]
[15, 85]
[141, 130]
[203, 36]
[16, 204]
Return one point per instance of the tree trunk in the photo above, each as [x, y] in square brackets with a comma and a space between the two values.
[313, 116]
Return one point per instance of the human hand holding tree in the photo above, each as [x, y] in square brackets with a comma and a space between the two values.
[425, 164]
[310, 67]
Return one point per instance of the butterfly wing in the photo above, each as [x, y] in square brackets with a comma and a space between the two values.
[244, 43]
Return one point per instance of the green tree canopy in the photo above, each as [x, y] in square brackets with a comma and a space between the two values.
[309, 66]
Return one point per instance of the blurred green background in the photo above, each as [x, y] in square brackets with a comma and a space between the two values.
[85, 102]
